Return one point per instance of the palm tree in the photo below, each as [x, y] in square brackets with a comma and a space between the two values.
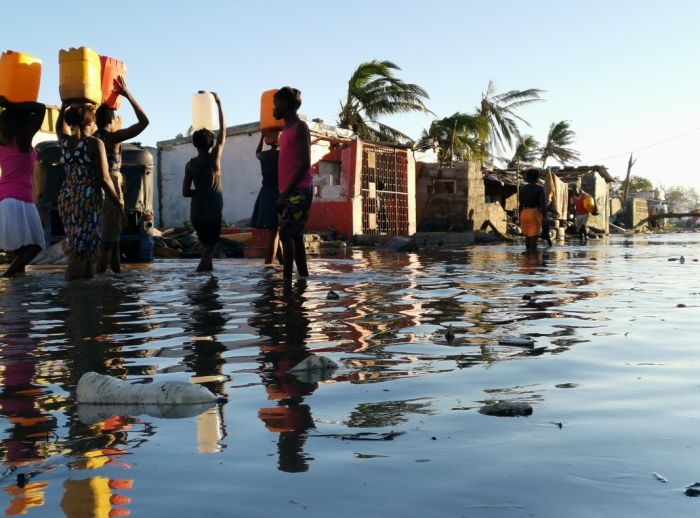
[498, 111]
[526, 151]
[458, 137]
[560, 136]
[373, 92]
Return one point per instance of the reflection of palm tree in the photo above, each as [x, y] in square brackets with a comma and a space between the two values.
[374, 92]
[385, 413]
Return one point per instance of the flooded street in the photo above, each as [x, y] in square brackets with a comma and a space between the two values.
[612, 381]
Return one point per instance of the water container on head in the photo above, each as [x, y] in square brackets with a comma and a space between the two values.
[20, 76]
[267, 120]
[204, 112]
[111, 69]
[80, 75]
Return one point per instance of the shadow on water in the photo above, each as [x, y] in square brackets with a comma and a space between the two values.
[240, 332]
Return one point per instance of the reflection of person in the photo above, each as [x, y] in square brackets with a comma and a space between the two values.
[80, 199]
[285, 348]
[265, 210]
[583, 205]
[295, 180]
[112, 138]
[532, 208]
[207, 204]
[20, 225]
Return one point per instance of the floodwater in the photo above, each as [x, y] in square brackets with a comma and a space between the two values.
[613, 383]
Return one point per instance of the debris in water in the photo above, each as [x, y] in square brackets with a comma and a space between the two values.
[361, 436]
[682, 260]
[517, 341]
[560, 425]
[673, 258]
[566, 385]
[693, 490]
[450, 334]
[507, 409]
[681, 306]
[314, 362]
[659, 477]
[332, 295]
[527, 297]
[368, 456]
[97, 389]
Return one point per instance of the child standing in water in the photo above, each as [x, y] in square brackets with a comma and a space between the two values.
[204, 171]
[20, 226]
[295, 180]
[112, 138]
[533, 209]
[265, 210]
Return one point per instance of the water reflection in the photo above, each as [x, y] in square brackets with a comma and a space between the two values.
[239, 334]
[284, 322]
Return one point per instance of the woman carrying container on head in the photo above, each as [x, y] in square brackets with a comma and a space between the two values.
[295, 180]
[265, 210]
[80, 201]
[204, 171]
[20, 226]
[532, 209]
[112, 137]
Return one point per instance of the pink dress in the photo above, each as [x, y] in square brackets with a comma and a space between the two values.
[20, 224]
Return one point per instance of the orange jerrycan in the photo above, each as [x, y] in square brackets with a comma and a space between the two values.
[80, 75]
[20, 75]
[267, 120]
[589, 204]
[111, 69]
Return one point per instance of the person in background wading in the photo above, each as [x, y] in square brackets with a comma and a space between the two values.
[207, 204]
[112, 137]
[583, 206]
[532, 209]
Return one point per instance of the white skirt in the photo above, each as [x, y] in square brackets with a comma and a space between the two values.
[20, 225]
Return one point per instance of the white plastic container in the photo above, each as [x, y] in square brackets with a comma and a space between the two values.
[204, 112]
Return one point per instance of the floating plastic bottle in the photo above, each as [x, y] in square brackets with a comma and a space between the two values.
[20, 76]
[267, 120]
[111, 69]
[80, 75]
[205, 114]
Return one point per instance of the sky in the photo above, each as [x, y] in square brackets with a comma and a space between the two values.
[624, 73]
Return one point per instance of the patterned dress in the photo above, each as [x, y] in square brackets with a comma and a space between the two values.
[111, 215]
[80, 203]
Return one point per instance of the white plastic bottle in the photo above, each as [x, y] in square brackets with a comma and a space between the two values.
[204, 112]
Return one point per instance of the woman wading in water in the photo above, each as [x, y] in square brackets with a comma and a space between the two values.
[80, 201]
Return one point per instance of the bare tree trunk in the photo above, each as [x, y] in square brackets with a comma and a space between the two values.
[627, 181]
